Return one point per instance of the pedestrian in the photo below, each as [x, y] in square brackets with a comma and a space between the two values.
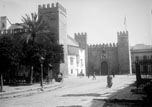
[88, 74]
[60, 77]
[94, 76]
[113, 73]
[109, 81]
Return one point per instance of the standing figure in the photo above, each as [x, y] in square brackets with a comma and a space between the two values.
[60, 77]
[113, 73]
[88, 74]
[94, 76]
[109, 81]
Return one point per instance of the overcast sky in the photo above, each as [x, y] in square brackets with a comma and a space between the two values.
[100, 19]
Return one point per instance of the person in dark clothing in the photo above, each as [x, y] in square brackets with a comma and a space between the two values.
[60, 77]
[113, 73]
[94, 76]
[88, 75]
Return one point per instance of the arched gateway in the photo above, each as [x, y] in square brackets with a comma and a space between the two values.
[104, 68]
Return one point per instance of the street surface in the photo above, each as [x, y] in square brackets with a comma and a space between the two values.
[75, 92]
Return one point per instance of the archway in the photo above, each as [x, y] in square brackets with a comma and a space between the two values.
[104, 68]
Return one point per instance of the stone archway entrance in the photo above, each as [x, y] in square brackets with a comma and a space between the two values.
[104, 68]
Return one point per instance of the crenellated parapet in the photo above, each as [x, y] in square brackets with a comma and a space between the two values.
[110, 45]
[53, 6]
[82, 35]
[81, 38]
[5, 32]
[122, 34]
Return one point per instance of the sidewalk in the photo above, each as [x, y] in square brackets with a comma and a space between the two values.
[126, 98]
[119, 97]
[126, 94]
[25, 90]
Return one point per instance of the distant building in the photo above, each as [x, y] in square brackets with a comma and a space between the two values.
[76, 58]
[3, 20]
[56, 16]
[140, 52]
[110, 58]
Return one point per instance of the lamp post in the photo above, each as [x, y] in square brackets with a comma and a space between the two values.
[41, 62]
[49, 72]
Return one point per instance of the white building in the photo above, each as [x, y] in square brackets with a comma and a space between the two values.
[76, 58]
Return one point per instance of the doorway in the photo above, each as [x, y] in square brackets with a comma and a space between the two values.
[104, 68]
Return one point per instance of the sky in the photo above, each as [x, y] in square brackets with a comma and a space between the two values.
[100, 19]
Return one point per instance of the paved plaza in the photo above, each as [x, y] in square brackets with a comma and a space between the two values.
[77, 92]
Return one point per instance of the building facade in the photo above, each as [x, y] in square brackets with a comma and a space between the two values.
[74, 63]
[78, 55]
[76, 58]
[141, 52]
[55, 16]
[110, 58]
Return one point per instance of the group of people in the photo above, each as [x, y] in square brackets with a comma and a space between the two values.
[94, 75]
[109, 78]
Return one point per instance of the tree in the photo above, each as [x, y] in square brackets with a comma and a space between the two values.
[36, 31]
[9, 56]
[54, 55]
[38, 41]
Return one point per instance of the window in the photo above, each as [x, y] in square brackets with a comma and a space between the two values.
[71, 60]
[136, 58]
[77, 59]
[81, 62]
[71, 71]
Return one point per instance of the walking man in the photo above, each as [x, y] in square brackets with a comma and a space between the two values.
[94, 76]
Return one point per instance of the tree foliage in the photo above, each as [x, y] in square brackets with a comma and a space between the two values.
[26, 48]
[9, 54]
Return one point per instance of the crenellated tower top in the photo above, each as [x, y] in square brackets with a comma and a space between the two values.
[80, 35]
[52, 7]
[122, 34]
[81, 38]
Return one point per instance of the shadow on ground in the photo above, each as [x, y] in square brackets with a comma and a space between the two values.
[79, 95]
[122, 102]
[71, 106]
[117, 103]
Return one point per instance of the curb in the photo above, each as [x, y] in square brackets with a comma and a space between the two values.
[28, 92]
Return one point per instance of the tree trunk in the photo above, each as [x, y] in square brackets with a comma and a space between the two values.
[41, 75]
[1, 89]
[31, 76]
[48, 78]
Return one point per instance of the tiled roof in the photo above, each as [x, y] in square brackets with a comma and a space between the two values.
[141, 46]
[72, 41]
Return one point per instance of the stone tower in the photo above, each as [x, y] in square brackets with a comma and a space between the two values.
[123, 52]
[55, 16]
[81, 38]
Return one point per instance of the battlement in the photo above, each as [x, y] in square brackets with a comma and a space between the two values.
[80, 35]
[5, 32]
[122, 34]
[52, 7]
[110, 45]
